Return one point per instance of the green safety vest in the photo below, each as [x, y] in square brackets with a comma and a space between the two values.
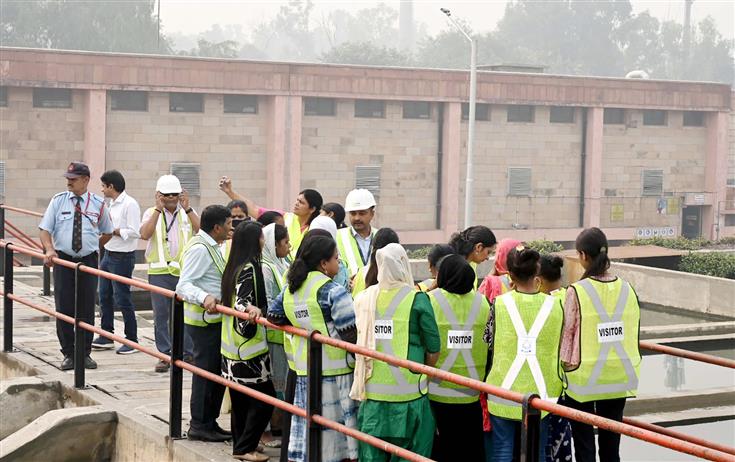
[387, 382]
[227, 249]
[233, 345]
[303, 310]
[533, 365]
[349, 250]
[274, 335]
[609, 356]
[425, 284]
[195, 315]
[474, 269]
[461, 321]
[159, 259]
[295, 234]
[358, 283]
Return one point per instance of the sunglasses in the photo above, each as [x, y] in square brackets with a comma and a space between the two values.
[170, 195]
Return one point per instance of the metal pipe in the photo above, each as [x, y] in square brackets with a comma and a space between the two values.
[177, 375]
[439, 162]
[7, 301]
[314, 400]
[79, 334]
[23, 236]
[679, 435]
[724, 362]
[24, 211]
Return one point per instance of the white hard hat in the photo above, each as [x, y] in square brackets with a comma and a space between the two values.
[359, 199]
[168, 184]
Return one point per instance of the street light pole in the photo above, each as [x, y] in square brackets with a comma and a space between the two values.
[469, 179]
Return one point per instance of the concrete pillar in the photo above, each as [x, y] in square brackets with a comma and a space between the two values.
[715, 173]
[593, 168]
[284, 150]
[451, 164]
[95, 124]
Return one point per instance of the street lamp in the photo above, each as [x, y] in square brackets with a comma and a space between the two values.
[469, 180]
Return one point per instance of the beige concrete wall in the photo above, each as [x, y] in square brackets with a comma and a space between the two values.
[405, 148]
[37, 145]
[142, 145]
[630, 148]
[552, 150]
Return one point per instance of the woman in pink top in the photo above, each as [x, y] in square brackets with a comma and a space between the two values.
[498, 282]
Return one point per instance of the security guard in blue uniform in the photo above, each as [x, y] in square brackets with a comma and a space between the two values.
[76, 224]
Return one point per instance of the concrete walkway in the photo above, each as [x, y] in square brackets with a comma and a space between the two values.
[127, 383]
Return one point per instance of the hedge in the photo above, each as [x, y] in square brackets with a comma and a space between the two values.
[719, 264]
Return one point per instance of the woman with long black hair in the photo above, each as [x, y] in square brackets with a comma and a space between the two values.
[244, 348]
[475, 244]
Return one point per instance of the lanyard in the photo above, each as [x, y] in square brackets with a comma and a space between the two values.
[166, 225]
[79, 209]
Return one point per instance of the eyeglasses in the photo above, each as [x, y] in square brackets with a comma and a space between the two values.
[170, 195]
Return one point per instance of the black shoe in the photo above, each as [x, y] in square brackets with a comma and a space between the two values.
[67, 363]
[89, 363]
[206, 435]
[222, 431]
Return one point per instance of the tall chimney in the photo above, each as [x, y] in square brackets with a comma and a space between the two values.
[406, 26]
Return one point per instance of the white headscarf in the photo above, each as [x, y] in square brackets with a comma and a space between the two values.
[394, 272]
[269, 249]
[325, 223]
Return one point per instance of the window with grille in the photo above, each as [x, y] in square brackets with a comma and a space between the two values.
[693, 119]
[368, 177]
[319, 107]
[416, 110]
[653, 182]
[186, 102]
[370, 108]
[654, 117]
[52, 97]
[240, 104]
[613, 116]
[482, 111]
[128, 100]
[519, 181]
[188, 175]
[520, 113]
[561, 115]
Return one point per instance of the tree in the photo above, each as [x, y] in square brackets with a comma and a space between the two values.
[225, 49]
[288, 36]
[366, 54]
[128, 26]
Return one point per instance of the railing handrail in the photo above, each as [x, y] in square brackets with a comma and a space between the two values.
[600, 422]
[19, 210]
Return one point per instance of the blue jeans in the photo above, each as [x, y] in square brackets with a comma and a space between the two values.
[504, 436]
[162, 315]
[115, 294]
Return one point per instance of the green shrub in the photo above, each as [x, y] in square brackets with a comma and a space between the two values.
[730, 241]
[545, 247]
[420, 253]
[678, 243]
[717, 264]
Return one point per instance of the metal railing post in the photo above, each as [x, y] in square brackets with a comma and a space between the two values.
[46, 281]
[2, 236]
[79, 343]
[7, 302]
[530, 430]
[313, 399]
[289, 393]
[177, 374]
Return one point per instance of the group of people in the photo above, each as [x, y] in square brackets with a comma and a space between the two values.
[517, 328]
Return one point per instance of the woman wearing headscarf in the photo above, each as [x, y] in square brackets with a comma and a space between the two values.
[393, 318]
[498, 281]
[368, 275]
[461, 314]
[327, 224]
[274, 264]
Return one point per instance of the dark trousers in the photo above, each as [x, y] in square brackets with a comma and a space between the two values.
[206, 396]
[249, 417]
[115, 294]
[454, 423]
[64, 287]
[583, 434]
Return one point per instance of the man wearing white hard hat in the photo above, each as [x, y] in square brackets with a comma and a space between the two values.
[167, 227]
[354, 241]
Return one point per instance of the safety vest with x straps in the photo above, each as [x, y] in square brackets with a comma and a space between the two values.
[525, 361]
[461, 321]
[388, 382]
[609, 356]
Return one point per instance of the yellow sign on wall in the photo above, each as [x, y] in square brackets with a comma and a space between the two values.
[617, 212]
[673, 206]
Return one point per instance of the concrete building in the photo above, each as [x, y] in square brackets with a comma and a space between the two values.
[553, 154]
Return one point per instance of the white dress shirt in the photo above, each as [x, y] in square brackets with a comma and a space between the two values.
[125, 214]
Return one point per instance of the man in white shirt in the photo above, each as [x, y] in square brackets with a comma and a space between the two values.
[355, 240]
[118, 258]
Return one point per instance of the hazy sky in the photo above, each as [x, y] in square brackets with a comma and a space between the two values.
[193, 16]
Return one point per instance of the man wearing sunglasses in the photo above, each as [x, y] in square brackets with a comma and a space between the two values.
[167, 227]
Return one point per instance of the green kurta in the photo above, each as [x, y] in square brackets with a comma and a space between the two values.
[411, 424]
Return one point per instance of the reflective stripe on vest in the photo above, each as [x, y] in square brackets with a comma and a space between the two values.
[159, 260]
[303, 310]
[295, 235]
[448, 392]
[358, 282]
[195, 315]
[350, 251]
[426, 284]
[275, 335]
[407, 385]
[526, 353]
[597, 384]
